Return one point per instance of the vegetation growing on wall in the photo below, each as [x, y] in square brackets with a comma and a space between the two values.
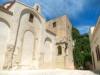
[82, 52]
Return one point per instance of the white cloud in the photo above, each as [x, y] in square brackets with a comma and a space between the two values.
[83, 28]
[55, 8]
[59, 7]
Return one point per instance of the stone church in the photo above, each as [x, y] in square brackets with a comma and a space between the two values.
[28, 41]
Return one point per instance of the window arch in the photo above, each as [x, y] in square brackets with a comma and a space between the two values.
[31, 17]
[48, 52]
[24, 11]
[59, 50]
[98, 53]
[37, 7]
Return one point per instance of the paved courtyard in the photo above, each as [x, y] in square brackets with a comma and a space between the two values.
[47, 72]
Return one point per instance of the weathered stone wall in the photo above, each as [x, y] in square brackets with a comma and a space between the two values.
[19, 24]
[95, 41]
[62, 29]
[29, 44]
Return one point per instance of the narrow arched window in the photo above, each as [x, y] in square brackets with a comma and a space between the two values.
[31, 17]
[59, 50]
[98, 53]
[37, 8]
[54, 24]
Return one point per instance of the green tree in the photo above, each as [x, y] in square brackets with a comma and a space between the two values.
[75, 33]
[81, 52]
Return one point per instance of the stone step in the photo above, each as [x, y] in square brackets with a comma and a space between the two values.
[47, 72]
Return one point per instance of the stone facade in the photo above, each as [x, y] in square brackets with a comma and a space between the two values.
[28, 42]
[95, 45]
[62, 28]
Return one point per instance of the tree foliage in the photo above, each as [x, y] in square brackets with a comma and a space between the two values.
[81, 52]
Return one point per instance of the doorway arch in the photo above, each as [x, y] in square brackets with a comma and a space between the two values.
[28, 48]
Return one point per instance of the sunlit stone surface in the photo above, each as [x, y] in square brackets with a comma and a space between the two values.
[48, 72]
[4, 34]
[94, 35]
[29, 42]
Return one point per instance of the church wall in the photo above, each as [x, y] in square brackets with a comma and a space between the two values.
[15, 41]
[25, 25]
[63, 29]
[4, 38]
[95, 41]
[23, 31]
[48, 53]
[28, 50]
[7, 19]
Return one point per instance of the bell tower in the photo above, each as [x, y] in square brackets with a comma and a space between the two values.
[37, 7]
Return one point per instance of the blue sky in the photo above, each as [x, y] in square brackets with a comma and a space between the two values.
[82, 13]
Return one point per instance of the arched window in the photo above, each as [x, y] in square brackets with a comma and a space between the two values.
[48, 51]
[59, 50]
[31, 17]
[54, 24]
[37, 8]
[98, 53]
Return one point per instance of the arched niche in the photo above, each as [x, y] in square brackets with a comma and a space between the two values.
[28, 48]
[48, 50]
[98, 52]
[4, 37]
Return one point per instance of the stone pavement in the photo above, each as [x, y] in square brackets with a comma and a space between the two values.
[47, 72]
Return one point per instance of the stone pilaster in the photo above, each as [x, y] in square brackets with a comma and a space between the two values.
[8, 57]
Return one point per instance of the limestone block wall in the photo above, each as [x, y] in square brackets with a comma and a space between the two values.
[27, 44]
[36, 28]
[95, 41]
[48, 53]
[9, 44]
[60, 58]
[69, 56]
[62, 28]
[20, 28]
